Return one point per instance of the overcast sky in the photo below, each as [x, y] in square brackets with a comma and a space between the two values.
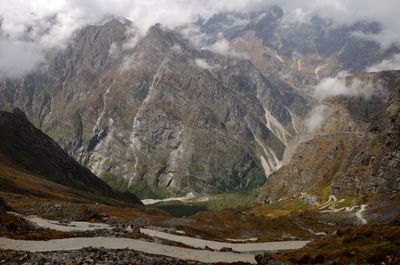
[52, 22]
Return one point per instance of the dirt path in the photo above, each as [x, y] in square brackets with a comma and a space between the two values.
[122, 243]
[243, 247]
[145, 246]
[67, 227]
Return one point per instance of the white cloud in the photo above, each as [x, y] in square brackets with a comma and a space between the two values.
[172, 13]
[387, 64]
[51, 23]
[221, 46]
[335, 86]
[18, 58]
[315, 119]
[203, 64]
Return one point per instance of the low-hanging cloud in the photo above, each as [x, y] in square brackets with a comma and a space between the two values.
[336, 86]
[333, 87]
[49, 24]
[203, 64]
[18, 58]
[221, 46]
[392, 63]
[315, 118]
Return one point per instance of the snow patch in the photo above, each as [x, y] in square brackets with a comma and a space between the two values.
[187, 197]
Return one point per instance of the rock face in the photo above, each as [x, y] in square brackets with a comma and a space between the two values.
[157, 113]
[29, 148]
[355, 152]
[160, 115]
[374, 169]
[296, 52]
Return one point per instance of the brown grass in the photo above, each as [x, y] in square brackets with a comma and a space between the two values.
[367, 244]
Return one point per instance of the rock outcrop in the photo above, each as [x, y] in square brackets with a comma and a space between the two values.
[355, 152]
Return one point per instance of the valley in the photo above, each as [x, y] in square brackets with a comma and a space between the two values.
[237, 133]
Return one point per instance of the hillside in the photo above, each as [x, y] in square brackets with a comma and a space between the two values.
[354, 158]
[32, 163]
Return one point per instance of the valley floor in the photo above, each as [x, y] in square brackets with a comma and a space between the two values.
[35, 230]
[206, 251]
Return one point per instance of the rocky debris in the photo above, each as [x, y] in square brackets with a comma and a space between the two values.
[307, 199]
[267, 259]
[87, 256]
[66, 212]
[226, 249]
[13, 226]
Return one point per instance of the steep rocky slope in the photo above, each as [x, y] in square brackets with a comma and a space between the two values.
[355, 152]
[161, 115]
[27, 154]
[294, 51]
[373, 171]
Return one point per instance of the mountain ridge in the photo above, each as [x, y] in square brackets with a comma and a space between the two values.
[24, 146]
[154, 114]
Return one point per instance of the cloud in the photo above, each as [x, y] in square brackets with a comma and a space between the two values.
[18, 58]
[387, 64]
[333, 87]
[49, 24]
[336, 86]
[221, 46]
[203, 64]
[172, 13]
[315, 119]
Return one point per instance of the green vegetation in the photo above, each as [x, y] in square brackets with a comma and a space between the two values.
[325, 193]
[238, 201]
[346, 203]
[141, 188]
[255, 177]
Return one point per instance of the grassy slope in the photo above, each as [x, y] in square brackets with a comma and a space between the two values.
[367, 244]
[229, 201]
[14, 179]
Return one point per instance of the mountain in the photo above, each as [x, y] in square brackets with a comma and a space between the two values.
[161, 115]
[29, 156]
[295, 51]
[355, 153]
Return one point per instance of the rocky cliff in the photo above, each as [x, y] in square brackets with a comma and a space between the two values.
[355, 152]
[161, 114]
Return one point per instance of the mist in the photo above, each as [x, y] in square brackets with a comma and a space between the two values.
[39, 25]
[333, 87]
